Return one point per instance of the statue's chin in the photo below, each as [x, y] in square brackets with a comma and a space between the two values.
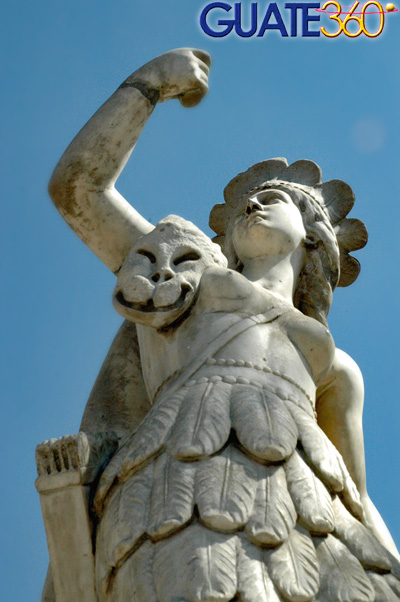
[150, 315]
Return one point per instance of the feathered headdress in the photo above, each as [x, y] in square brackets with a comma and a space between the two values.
[331, 201]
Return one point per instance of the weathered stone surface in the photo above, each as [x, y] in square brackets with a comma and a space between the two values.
[239, 471]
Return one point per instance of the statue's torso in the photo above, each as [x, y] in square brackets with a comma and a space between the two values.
[229, 476]
[288, 343]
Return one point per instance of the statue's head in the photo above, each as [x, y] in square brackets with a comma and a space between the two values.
[159, 279]
[308, 212]
[267, 223]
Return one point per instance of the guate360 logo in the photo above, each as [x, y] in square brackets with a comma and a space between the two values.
[358, 19]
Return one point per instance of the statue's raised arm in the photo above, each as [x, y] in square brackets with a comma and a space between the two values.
[83, 183]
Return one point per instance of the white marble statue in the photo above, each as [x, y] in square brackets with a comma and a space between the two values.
[234, 468]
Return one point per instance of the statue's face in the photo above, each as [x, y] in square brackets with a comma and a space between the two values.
[160, 277]
[268, 223]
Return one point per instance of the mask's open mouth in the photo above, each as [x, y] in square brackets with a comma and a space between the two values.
[149, 307]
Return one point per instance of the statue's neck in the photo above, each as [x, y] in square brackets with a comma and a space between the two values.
[277, 273]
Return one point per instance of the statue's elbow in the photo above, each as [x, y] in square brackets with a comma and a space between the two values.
[56, 187]
[63, 188]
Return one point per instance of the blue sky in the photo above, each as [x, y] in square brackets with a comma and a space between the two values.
[334, 101]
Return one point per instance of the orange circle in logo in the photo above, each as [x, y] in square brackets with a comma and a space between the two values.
[390, 7]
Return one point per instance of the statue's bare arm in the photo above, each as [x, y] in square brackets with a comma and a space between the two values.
[340, 401]
[83, 183]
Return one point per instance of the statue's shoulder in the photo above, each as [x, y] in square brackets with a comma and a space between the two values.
[224, 290]
[223, 282]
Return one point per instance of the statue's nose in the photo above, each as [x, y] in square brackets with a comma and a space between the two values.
[162, 275]
[253, 205]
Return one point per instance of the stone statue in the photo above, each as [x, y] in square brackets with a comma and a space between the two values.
[221, 455]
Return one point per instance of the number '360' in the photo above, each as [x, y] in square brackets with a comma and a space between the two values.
[358, 18]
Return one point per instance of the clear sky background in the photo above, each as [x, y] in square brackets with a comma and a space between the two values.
[333, 101]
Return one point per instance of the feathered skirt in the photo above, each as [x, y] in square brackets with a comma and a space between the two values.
[229, 490]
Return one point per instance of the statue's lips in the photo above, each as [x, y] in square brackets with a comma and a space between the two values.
[149, 307]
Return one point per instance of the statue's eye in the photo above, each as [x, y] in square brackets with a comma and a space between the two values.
[270, 197]
[147, 254]
[269, 200]
[190, 256]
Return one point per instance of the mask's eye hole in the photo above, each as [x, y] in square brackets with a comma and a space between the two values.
[147, 254]
[190, 256]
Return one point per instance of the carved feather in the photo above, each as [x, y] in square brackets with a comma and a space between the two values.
[211, 565]
[395, 566]
[350, 496]
[294, 567]
[203, 423]
[253, 177]
[263, 424]
[134, 581]
[195, 564]
[171, 497]
[342, 577]
[125, 518]
[383, 591]
[303, 171]
[254, 582]
[339, 199]
[169, 568]
[146, 442]
[152, 433]
[273, 516]
[319, 449]
[225, 489]
[351, 235]
[393, 583]
[311, 498]
[123, 524]
[349, 269]
[360, 540]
